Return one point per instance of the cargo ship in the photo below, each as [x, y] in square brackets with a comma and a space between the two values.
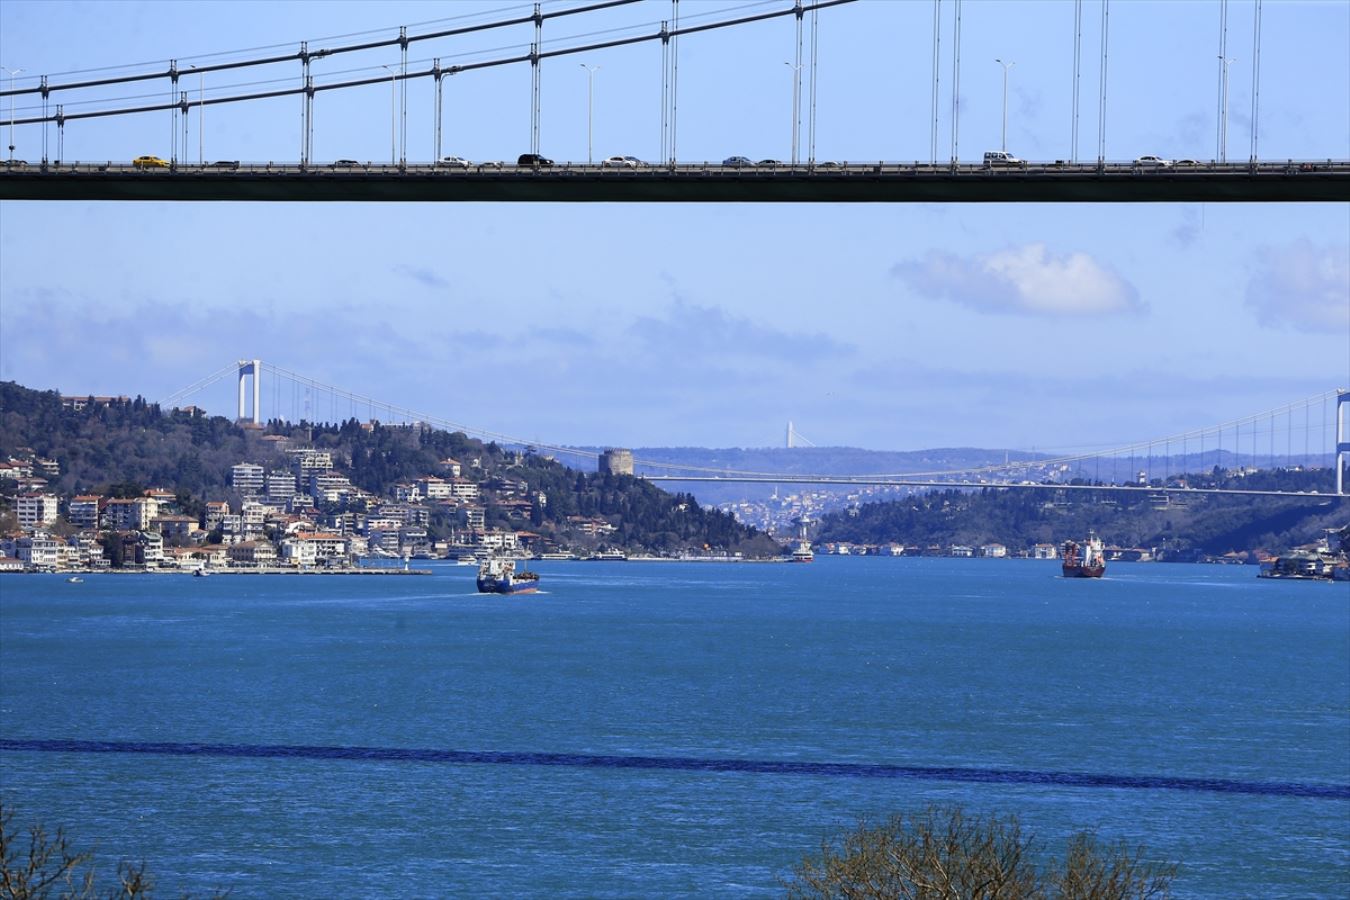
[499, 576]
[1087, 560]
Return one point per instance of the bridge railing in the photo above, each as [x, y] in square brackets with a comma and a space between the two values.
[819, 168]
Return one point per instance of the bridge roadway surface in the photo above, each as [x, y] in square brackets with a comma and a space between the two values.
[882, 182]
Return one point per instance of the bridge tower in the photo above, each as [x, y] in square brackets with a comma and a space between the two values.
[1342, 440]
[250, 368]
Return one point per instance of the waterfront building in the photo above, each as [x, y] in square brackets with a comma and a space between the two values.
[253, 553]
[149, 549]
[298, 552]
[1044, 551]
[38, 550]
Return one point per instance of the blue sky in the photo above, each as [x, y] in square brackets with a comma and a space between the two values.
[888, 326]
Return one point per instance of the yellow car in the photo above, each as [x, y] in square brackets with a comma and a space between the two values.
[149, 162]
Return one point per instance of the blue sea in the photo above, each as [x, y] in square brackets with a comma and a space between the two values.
[651, 729]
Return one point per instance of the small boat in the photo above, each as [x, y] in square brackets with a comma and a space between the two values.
[1087, 560]
[499, 576]
[200, 573]
[74, 579]
[608, 556]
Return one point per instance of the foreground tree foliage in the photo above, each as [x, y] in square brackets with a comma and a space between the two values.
[39, 865]
[943, 853]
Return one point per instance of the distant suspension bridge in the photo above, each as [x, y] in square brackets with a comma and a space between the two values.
[1313, 433]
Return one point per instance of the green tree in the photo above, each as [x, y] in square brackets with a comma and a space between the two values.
[942, 853]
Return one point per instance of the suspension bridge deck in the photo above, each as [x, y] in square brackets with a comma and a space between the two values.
[1323, 181]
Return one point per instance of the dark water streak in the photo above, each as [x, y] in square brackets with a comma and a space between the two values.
[691, 764]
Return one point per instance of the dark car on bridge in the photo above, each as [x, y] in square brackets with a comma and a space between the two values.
[534, 160]
[736, 162]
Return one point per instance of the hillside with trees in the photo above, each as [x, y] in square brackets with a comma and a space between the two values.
[118, 447]
[1179, 527]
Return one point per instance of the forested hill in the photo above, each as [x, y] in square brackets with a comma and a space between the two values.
[1180, 527]
[115, 446]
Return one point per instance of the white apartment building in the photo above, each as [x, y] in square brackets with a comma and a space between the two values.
[461, 489]
[36, 510]
[247, 478]
[280, 485]
[433, 488]
[82, 511]
[38, 550]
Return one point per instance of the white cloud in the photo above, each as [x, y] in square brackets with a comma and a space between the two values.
[1025, 280]
[1302, 286]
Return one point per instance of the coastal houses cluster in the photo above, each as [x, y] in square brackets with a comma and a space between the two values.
[303, 514]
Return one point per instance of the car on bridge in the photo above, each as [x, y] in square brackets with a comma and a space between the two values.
[15, 164]
[149, 162]
[1152, 162]
[534, 161]
[345, 163]
[456, 162]
[229, 165]
[736, 162]
[768, 164]
[623, 162]
[1002, 158]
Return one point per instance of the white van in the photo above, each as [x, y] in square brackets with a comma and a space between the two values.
[1002, 158]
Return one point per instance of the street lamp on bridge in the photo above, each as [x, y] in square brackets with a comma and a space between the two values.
[1225, 62]
[393, 113]
[1003, 144]
[590, 94]
[12, 73]
[201, 111]
[796, 106]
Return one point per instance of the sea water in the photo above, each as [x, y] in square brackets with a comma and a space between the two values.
[641, 729]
